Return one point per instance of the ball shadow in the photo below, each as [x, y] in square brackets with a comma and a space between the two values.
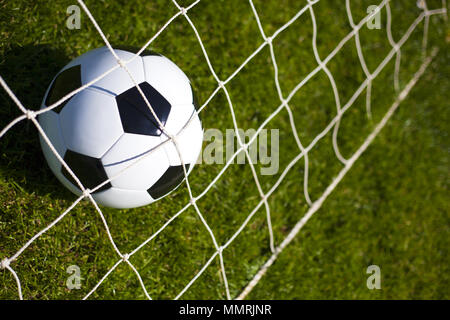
[28, 71]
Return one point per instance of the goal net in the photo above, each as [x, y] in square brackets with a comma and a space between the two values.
[287, 90]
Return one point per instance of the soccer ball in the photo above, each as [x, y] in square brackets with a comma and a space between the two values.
[107, 130]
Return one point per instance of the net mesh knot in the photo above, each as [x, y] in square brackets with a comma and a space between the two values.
[30, 114]
[121, 63]
[4, 263]
[86, 193]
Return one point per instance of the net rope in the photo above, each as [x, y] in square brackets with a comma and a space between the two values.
[284, 98]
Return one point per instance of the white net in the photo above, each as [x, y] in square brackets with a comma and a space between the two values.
[7, 263]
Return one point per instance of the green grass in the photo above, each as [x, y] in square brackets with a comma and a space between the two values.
[390, 210]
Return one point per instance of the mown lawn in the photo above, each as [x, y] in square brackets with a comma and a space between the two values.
[391, 210]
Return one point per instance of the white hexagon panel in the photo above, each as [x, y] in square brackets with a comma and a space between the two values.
[49, 122]
[90, 122]
[186, 126]
[98, 61]
[144, 163]
[122, 199]
[170, 81]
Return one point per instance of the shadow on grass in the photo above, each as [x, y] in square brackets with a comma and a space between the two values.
[28, 71]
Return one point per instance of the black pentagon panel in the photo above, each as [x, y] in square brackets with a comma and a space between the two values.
[89, 170]
[65, 82]
[173, 176]
[135, 114]
[132, 49]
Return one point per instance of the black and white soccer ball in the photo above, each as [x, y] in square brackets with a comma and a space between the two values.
[108, 126]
